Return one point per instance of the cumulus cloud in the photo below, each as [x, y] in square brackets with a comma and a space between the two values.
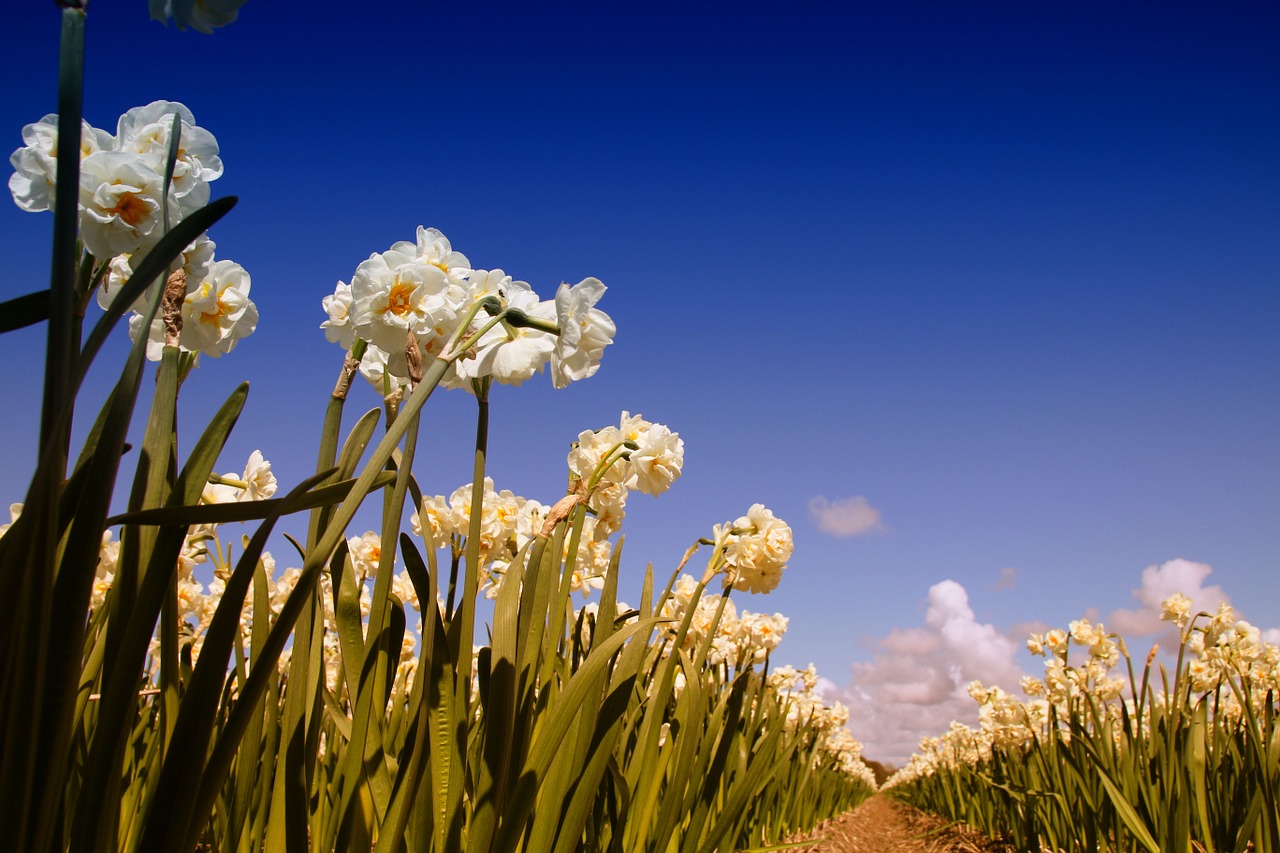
[1157, 584]
[915, 685]
[846, 517]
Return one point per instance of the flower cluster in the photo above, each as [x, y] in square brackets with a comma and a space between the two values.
[738, 639]
[1224, 648]
[1063, 681]
[796, 691]
[422, 301]
[606, 464]
[122, 203]
[507, 523]
[754, 549]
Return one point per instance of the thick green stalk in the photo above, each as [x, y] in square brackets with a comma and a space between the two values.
[462, 627]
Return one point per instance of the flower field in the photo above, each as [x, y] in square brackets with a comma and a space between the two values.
[169, 686]
[449, 667]
[1140, 760]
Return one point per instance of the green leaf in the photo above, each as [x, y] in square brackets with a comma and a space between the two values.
[239, 511]
[1132, 821]
[23, 311]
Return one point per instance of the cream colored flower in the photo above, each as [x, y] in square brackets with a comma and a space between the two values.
[218, 312]
[659, 461]
[145, 131]
[338, 329]
[1176, 609]
[365, 551]
[35, 165]
[584, 332]
[120, 202]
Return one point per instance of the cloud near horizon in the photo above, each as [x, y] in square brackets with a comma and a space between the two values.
[915, 686]
[847, 517]
[1157, 584]
[1160, 582]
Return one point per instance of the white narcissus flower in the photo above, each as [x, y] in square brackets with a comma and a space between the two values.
[155, 335]
[145, 131]
[365, 553]
[200, 15]
[394, 294]
[1176, 609]
[402, 586]
[434, 248]
[529, 521]
[255, 483]
[377, 367]
[658, 462]
[491, 283]
[609, 503]
[584, 332]
[589, 451]
[120, 197]
[35, 165]
[260, 483]
[218, 312]
[758, 553]
[338, 329]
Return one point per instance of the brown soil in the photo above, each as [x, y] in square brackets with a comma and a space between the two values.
[882, 825]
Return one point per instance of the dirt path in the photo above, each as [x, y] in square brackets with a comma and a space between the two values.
[882, 825]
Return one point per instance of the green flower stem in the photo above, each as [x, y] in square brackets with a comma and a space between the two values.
[608, 460]
[457, 346]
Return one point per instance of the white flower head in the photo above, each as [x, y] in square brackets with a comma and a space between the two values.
[588, 453]
[338, 329]
[1176, 609]
[659, 461]
[365, 553]
[394, 294]
[757, 547]
[378, 368]
[35, 165]
[260, 482]
[218, 312]
[145, 131]
[434, 248]
[120, 201]
[155, 335]
[584, 332]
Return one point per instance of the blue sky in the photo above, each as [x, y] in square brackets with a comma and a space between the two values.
[1009, 274]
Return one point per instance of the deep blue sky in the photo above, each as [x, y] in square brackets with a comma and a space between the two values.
[1009, 272]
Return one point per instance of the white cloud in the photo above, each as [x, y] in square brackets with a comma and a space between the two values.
[1008, 577]
[846, 517]
[915, 686]
[1158, 583]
